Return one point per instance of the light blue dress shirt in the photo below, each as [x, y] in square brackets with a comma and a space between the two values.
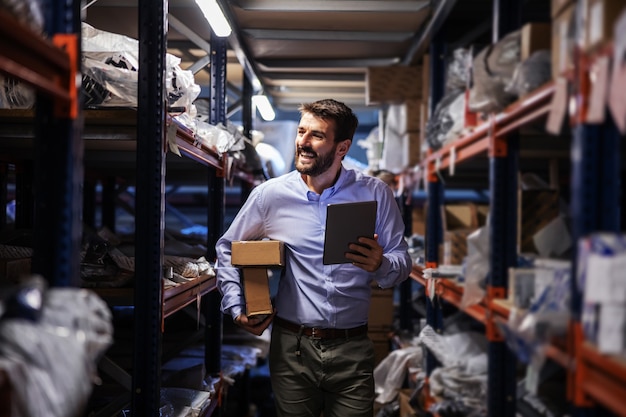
[309, 292]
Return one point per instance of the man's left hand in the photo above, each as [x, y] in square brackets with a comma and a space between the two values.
[367, 254]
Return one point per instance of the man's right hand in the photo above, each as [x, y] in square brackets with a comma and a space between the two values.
[254, 325]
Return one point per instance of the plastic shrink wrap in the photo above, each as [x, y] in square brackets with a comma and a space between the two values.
[492, 70]
[50, 343]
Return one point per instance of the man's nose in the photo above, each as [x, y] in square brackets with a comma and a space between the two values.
[303, 139]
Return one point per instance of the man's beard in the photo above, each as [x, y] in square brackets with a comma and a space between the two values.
[321, 163]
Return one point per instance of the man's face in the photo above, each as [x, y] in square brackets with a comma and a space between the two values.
[315, 145]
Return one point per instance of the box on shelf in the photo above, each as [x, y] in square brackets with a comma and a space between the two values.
[418, 219]
[257, 291]
[563, 40]
[405, 116]
[414, 141]
[381, 309]
[537, 208]
[601, 18]
[557, 6]
[535, 36]
[381, 344]
[13, 269]
[426, 78]
[459, 221]
[258, 253]
[393, 84]
[455, 246]
[521, 288]
[404, 400]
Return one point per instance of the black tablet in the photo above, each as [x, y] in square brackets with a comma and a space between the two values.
[345, 223]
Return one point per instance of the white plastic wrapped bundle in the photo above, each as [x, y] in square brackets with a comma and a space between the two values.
[49, 347]
[110, 65]
[492, 70]
[531, 73]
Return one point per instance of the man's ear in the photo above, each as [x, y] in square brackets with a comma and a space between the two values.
[344, 147]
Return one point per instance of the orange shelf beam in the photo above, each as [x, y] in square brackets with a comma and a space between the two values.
[604, 378]
[198, 152]
[488, 310]
[33, 59]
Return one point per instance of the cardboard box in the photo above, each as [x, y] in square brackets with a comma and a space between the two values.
[394, 84]
[455, 246]
[381, 344]
[12, 270]
[459, 221]
[426, 79]
[381, 309]
[404, 400]
[257, 291]
[413, 115]
[601, 18]
[459, 216]
[414, 143]
[536, 209]
[563, 41]
[418, 219]
[258, 253]
[557, 6]
[535, 37]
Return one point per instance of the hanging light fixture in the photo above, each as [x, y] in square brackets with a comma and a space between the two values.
[215, 16]
[264, 107]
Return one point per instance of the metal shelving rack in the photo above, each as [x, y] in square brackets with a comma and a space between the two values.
[51, 67]
[58, 150]
[595, 382]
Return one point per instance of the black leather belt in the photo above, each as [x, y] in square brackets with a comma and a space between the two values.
[320, 332]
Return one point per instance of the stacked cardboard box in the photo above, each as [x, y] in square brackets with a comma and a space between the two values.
[254, 257]
[537, 208]
[459, 221]
[380, 320]
[563, 20]
[402, 88]
[601, 16]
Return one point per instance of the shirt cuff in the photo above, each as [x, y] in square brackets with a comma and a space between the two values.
[235, 311]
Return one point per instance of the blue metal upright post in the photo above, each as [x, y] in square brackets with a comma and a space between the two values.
[503, 171]
[434, 225]
[150, 204]
[502, 362]
[58, 164]
[211, 301]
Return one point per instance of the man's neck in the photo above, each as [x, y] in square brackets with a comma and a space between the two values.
[321, 182]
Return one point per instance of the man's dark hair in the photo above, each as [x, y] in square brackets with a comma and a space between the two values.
[346, 121]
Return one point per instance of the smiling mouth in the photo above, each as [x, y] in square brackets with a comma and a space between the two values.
[304, 153]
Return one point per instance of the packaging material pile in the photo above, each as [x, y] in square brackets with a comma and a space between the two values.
[447, 121]
[50, 343]
[459, 385]
[494, 78]
[110, 65]
[529, 331]
[600, 273]
[106, 263]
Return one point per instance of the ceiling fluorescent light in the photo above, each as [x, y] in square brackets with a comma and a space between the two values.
[264, 107]
[214, 15]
